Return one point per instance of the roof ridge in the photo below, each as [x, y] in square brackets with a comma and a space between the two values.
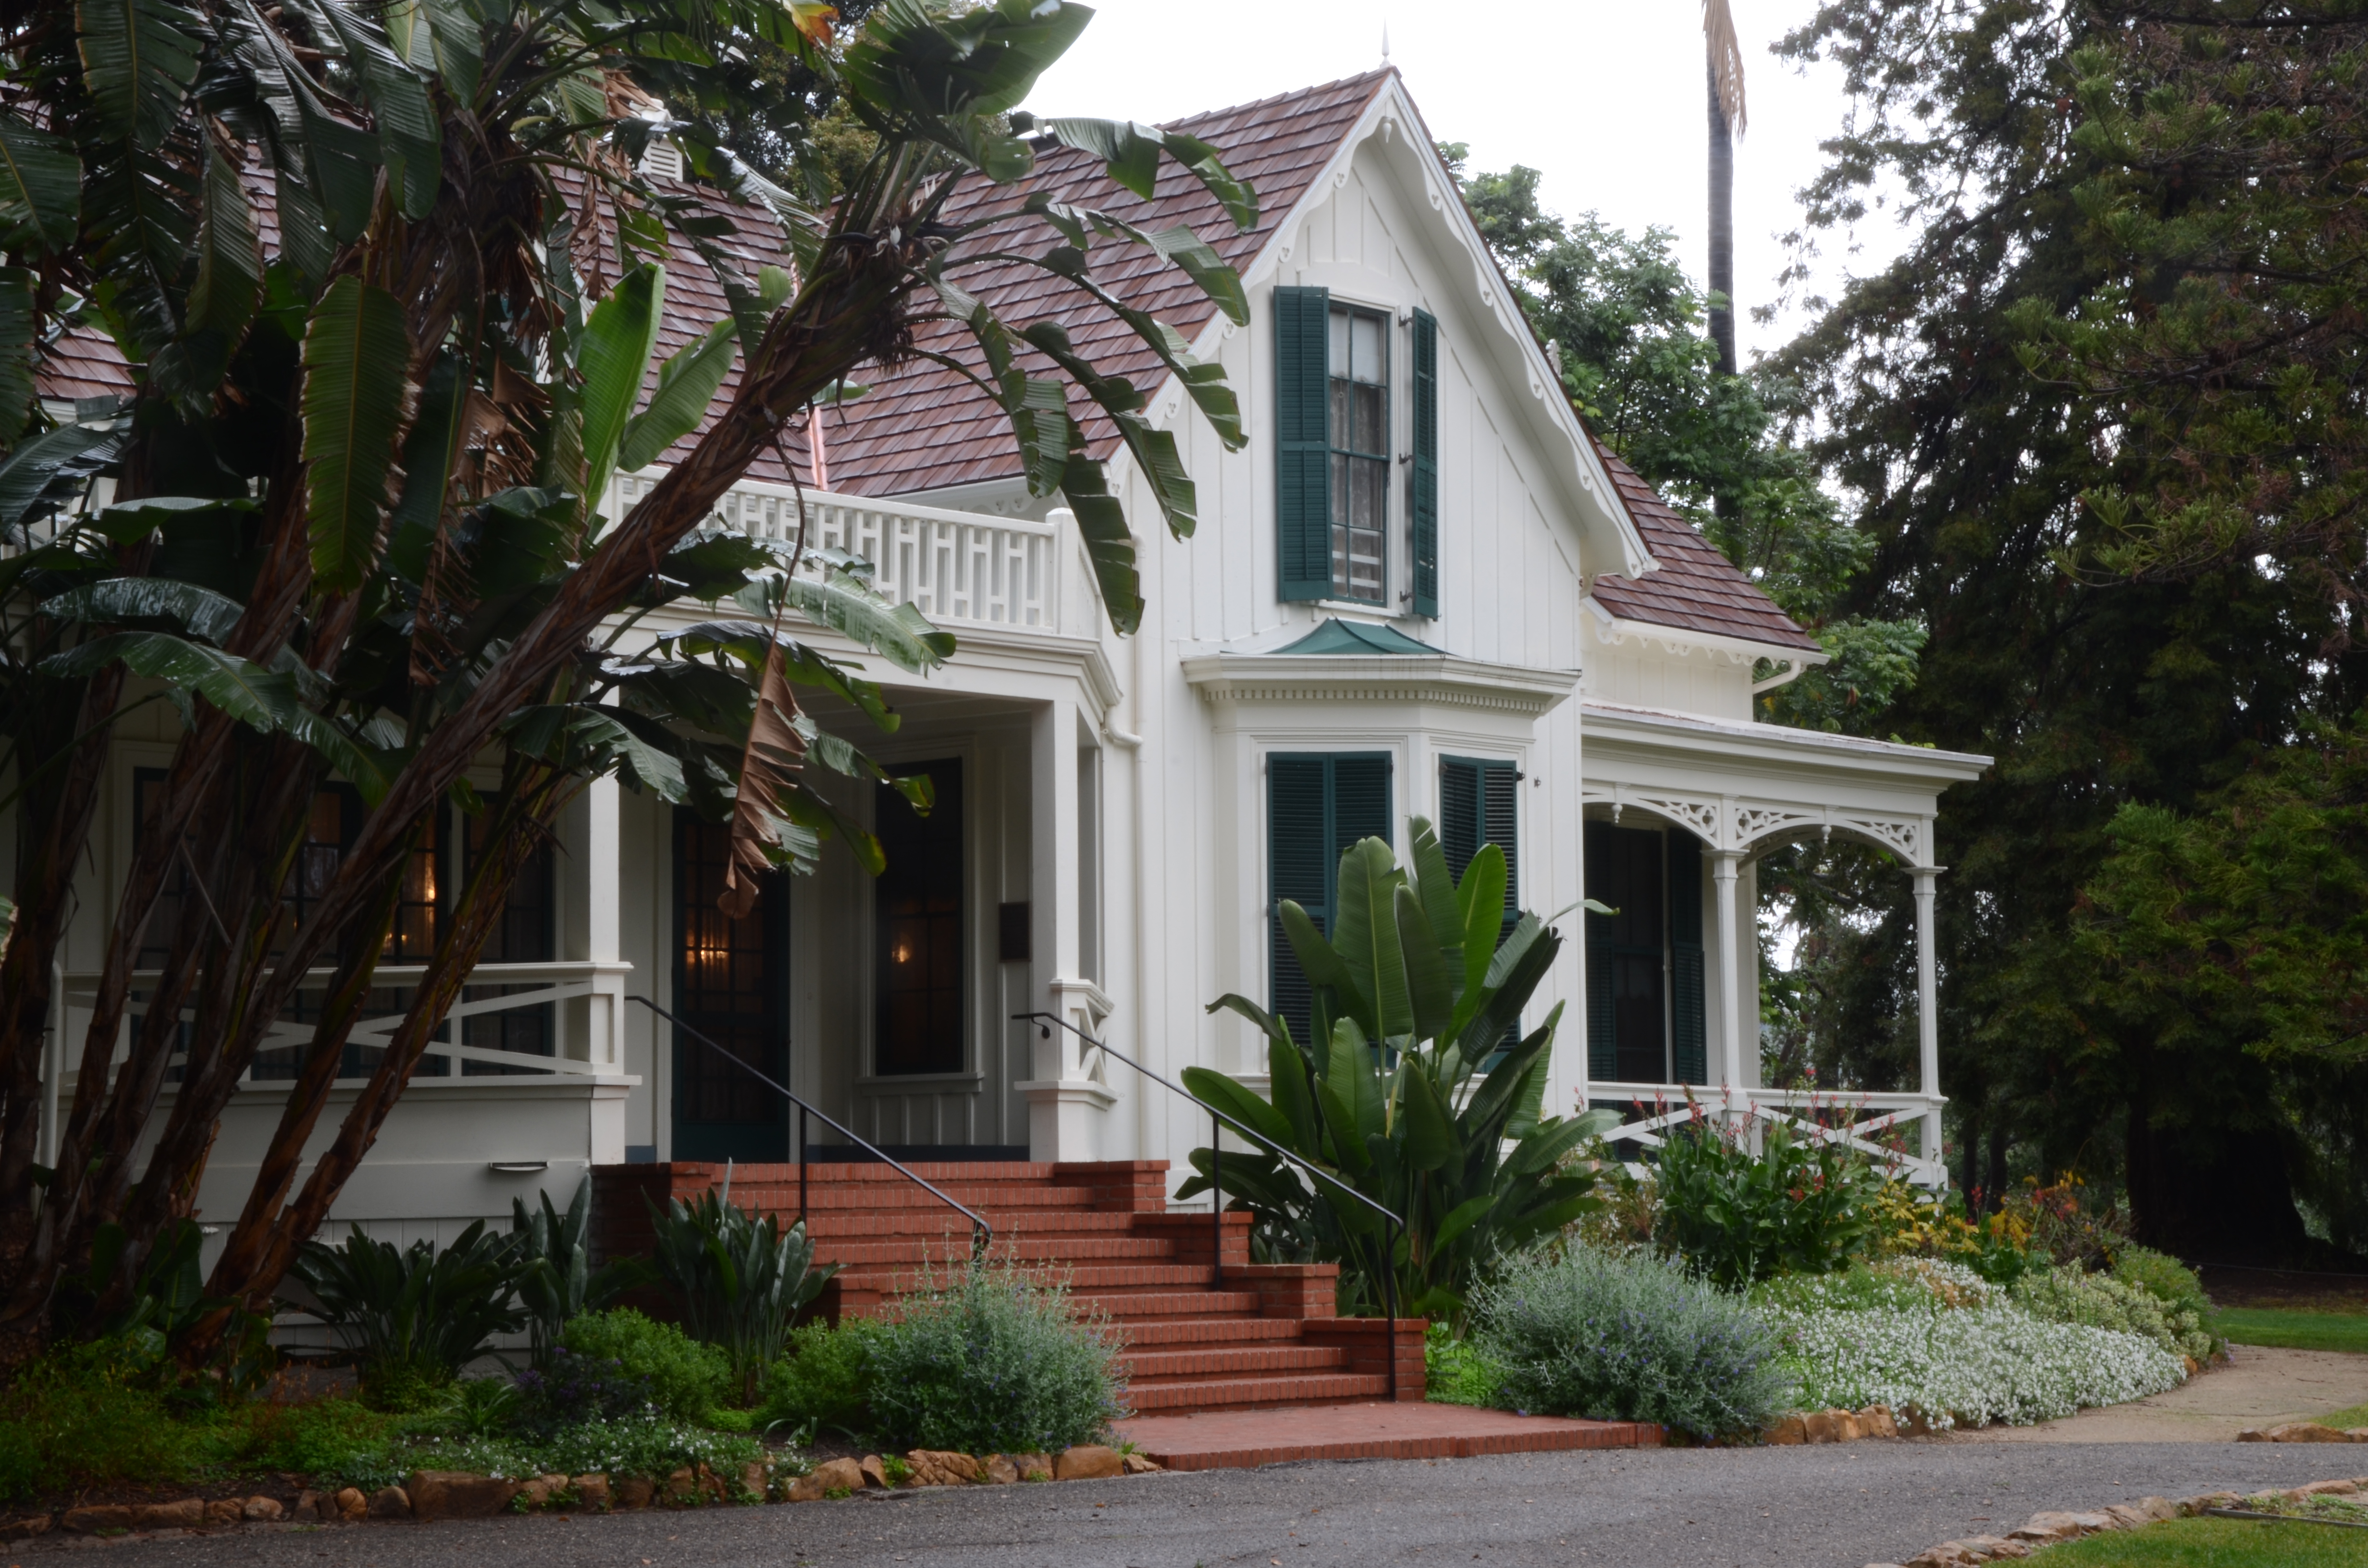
[1307, 92]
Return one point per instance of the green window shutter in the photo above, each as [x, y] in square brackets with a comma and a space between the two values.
[1687, 1032]
[1316, 807]
[1460, 833]
[1303, 459]
[1602, 1020]
[1422, 496]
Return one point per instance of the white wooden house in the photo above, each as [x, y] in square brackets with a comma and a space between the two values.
[1421, 589]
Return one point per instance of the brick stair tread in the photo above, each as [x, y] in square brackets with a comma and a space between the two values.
[1124, 1304]
[1210, 1332]
[1204, 1363]
[1029, 1250]
[1251, 1392]
[1087, 1280]
[1035, 1222]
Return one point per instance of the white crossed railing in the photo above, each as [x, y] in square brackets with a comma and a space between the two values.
[585, 1019]
[952, 566]
[1853, 1119]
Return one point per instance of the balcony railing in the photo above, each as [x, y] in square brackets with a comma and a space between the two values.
[952, 566]
[577, 1010]
[1845, 1116]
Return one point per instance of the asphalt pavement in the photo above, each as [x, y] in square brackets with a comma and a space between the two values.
[1837, 1506]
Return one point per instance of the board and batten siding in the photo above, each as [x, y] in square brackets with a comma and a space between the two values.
[1509, 590]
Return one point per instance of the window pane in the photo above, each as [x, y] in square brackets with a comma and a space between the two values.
[1365, 349]
[1371, 437]
[1339, 342]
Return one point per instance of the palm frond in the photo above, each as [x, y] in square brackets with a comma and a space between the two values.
[1725, 52]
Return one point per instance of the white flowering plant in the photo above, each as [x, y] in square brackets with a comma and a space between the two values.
[647, 1444]
[1965, 1365]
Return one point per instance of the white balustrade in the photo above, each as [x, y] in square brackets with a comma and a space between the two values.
[1852, 1118]
[587, 1038]
[952, 566]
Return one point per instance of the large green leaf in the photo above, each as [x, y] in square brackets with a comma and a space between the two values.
[1217, 1091]
[229, 253]
[264, 699]
[686, 386]
[1364, 933]
[1429, 991]
[358, 401]
[614, 357]
[1431, 1140]
[1480, 898]
[201, 612]
[41, 187]
[1130, 152]
[17, 318]
[139, 58]
[410, 137]
[52, 467]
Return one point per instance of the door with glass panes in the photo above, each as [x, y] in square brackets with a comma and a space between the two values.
[732, 989]
[1645, 999]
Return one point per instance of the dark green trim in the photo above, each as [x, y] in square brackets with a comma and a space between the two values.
[1318, 804]
[1302, 455]
[1422, 494]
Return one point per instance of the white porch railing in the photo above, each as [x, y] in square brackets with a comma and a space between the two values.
[586, 1021]
[1853, 1119]
[952, 566]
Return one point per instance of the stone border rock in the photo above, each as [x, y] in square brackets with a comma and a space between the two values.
[2047, 1528]
[1836, 1425]
[2304, 1432]
[434, 1495]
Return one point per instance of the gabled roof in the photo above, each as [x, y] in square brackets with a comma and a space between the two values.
[922, 427]
[1697, 589]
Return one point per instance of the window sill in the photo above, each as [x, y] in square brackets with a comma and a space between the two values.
[1364, 609]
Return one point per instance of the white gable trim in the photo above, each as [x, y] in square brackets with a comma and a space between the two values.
[1604, 524]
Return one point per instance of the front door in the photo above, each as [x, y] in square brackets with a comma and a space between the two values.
[731, 986]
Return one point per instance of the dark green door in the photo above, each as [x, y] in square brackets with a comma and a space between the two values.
[731, 984]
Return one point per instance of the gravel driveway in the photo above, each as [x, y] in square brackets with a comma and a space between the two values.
[1837, 1506]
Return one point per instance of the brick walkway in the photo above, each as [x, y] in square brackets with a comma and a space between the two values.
[1245, 1438]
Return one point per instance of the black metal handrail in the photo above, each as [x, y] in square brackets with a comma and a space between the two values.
[1216, 1168]
[982, 1235]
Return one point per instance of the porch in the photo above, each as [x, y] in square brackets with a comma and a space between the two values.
[1678, 808]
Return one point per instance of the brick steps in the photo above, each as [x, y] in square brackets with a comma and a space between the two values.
[1259, 1339]
[1147, 1368]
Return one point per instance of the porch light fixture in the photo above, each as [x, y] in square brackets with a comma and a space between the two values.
[518, 1167]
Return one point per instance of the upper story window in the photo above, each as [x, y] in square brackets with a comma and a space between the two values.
[1359, 430]
[1340, 531]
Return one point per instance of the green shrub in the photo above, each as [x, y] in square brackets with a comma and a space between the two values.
[993, 1363]
[1802, 1207]
[413, 1316]
[2070, 1294]
[741, 1280]
[647, 1444]
[1895, 1284]
[826, 1378]
[2164, 1277]
[328, 1439]
[685, 1380]
[1628, 1338]
[1456, 1371]
[93, 1415]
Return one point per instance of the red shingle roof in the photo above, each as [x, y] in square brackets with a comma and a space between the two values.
[922, 427]
[1697, 589]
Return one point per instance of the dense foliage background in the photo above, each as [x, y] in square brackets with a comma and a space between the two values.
[2096, 442]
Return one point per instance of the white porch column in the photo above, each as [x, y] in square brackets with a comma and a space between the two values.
[1927, 1007]
[1725, 867]
[596, 1024]
[1064, 1099]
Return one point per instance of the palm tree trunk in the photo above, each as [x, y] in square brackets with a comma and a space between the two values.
[1722, 227]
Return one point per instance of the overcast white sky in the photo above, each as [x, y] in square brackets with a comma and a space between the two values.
[1606, 98]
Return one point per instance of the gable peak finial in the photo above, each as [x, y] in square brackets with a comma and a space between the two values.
[1385, 42]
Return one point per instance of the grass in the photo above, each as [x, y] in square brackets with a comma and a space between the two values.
[2215, 1543]
[2294, 1330]
[2344, 1420]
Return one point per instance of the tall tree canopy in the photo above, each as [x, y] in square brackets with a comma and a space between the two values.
[2100, 422]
